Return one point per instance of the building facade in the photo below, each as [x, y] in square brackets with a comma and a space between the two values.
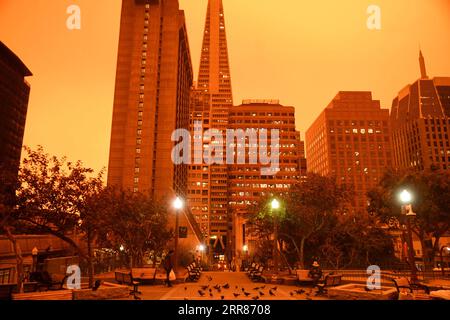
[350, 140]
[14, 95]
[247, 183]
[153, 81]
[211, 100]
[420, 122]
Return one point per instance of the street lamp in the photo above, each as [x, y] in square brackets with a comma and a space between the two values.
[34, 254]
[275, 206]
[178, 205]
[406, 198]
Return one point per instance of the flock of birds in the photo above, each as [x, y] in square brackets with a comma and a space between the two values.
[218, 291]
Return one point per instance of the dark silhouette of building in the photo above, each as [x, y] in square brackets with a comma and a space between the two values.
[420, 122]
[350, 140]
[14, 95]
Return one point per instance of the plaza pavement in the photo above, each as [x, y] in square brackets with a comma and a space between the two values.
[235, 280]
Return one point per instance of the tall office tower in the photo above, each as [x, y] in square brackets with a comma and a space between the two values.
[420, 122]
[214, 87]
[247, 183]
[14, 94]
[153, 83]
[350, 140]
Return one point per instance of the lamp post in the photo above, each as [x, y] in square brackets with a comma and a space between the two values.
[178, 205]
[406, 199]
[275, 206]
[442, 258]
[34, 254]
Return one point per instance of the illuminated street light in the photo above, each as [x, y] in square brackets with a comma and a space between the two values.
[275, 204]
[201, 247]
[178, 205]
[405, 197]
[122, 248]
[245, 248]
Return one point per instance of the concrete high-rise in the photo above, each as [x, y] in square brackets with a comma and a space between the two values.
[14, 95]
[350, 140]
[212, 99]
[420, 122]
[153, 81]
[247, 184]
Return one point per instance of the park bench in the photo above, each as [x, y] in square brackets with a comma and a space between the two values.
[303, 277]
[251, 268]
[256, 275]
[193, 273]
[126, 277]
[47, 295]
[331, 280]
[47, 282]
[419, 291]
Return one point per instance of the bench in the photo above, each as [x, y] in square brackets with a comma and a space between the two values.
[47, 295]
[419, 291]
[126, 277]
[193, 272]
[45, 281]
[256, 274]
[331, 280]
[303, 277]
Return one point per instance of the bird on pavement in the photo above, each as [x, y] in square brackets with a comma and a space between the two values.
[236, 295]
[237, 287]
[209, 278]
[97, 285]
[292, 293]
[211, 295]
[247, 293]
[204, 287]
[256, 298]
[274, 288]
[243, 289]
[185, 288]
[261, 293]
[263, 287]
[201, 293]
[271, 293]
[210, 290]
[301, 291]
[136, 297]
[217, 287]
[256, 289]
[226, 286]
[222, 297]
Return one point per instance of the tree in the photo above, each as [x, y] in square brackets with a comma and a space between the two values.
[431, 192]
[308, 207]
[131, 221]
[54, 198]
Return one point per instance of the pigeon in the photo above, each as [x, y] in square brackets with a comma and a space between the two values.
[210, 290]
[186, 299]
[185, 288]
[236, 295]
[256, 298]
[204, 287]
[226, 286]
[211, 295]
[209, 278]
[97, 285]
[136, 297]
[256, 289]
[237, 287]
[291, 293]
[261, 293]
[219, 290]
[301, 291]
[271, 293]
[263, 287]
[201, 293]
[243, 289]
[274, 288]
[217, 287]
[247, 293]
[222, 297]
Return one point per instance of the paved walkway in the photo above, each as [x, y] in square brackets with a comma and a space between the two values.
[240, 288]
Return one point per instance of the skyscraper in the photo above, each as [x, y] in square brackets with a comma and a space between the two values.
[247, 184]
[350, 140]
[153, 82]
[14, 95]
[210, 105]
[420, 122]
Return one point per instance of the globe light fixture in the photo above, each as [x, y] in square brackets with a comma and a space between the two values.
[405, 197]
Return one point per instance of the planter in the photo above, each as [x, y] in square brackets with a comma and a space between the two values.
[354, 291]
[107, 291]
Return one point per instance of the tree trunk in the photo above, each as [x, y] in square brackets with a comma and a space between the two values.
[302, 253]
[19, 258]
[89, 260]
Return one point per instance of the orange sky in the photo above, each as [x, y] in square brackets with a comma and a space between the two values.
[301, 52]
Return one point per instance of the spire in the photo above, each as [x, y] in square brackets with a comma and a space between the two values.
[423, 69]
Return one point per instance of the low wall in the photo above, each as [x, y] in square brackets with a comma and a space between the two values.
[107, 291]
